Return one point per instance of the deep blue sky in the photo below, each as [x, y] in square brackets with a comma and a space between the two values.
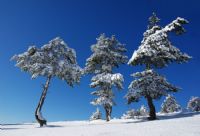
[78, 22]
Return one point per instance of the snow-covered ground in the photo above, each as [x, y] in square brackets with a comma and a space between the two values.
[187, 124]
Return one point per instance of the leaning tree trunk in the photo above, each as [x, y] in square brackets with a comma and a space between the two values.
[152, 112]
[38, 114]
[108, 110]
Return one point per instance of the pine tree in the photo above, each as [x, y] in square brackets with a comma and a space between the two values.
[150, 85]
[131, 114]
[96, 115]
[54, 59]
[194, 104]
[170, 105]
[143, 111]
[108, 53]
[155, 51]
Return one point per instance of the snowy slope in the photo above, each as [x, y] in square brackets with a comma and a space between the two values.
[167, 125]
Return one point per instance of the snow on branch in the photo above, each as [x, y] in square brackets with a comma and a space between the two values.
[52, 59]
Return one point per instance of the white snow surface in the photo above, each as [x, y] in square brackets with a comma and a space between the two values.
[174, 124]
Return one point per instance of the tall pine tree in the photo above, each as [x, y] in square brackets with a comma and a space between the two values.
[108, 53]
[155, 51]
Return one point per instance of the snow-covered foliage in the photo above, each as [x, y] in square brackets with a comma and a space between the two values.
[194, 104]
[52, 59]
[170, 105]
[148, 83]
[96, 115]
[156, 49]
[105, 81]
[108, 53]
[135, 114]
[131, 114]
[143, 111]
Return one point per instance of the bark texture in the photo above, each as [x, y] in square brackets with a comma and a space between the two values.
[38, 114]
[108, 110]
[152, 110]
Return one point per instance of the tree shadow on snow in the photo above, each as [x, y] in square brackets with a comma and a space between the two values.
[179, 115]
[165, 117]
[13, 126]
[53, 126]
[49, 126]
[10, 128]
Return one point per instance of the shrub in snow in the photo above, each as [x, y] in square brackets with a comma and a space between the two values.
[108, 53]
[132, 114]
[96, 115]
[143, 111]
[194, 104]
[54, 59]
[155, 51]
[170, 105]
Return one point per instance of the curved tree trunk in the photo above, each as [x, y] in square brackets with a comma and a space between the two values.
[38, 114]
[108, 110]
[152, 112]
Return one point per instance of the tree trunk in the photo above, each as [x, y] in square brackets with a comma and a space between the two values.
[38, 114]
[108, 110]
[152, 112]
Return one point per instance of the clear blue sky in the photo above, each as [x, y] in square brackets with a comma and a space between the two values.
[78, 22]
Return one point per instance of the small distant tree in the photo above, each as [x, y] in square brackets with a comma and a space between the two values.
[143, 111]
[108, 53]
[155, 51]
[54, 59]
[96, 115]
[131, 114]
[170, 105]
[194, 104]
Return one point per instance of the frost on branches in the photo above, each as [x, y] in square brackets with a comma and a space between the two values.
[135, 114]
[194, 104]
[156, 49]
[143, 111]
[148, 84]
[170, 105]
[54, 59]
[96, 115]
[105, 81]
[108, 53]
[131, 114]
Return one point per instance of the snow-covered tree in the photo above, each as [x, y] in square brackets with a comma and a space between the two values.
[132, 114]
[194, 104]
[54, 59]
[96, 115]
[150, 85]
[170, 105]
[143, 111]
[155, 51]
[108, 53]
